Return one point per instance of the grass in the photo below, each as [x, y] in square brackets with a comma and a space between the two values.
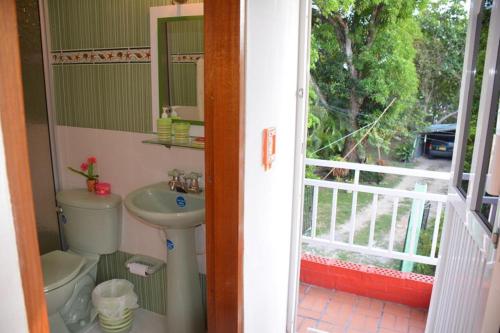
[344, 205]
[382, 227]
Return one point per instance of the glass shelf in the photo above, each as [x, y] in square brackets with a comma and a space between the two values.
[174, 143]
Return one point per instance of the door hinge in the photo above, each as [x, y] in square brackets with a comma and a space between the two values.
[300, 93]
[494, 237]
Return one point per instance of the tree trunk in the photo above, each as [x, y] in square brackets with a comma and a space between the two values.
[350, 153]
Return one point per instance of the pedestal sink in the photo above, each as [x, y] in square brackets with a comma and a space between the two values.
[178, 214]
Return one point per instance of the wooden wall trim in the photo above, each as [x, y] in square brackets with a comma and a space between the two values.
[16, 151]
[224, 162]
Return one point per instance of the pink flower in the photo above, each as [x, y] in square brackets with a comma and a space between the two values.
[84, 166]
[92, 160]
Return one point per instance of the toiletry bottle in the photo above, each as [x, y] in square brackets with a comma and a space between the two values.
[164, 125]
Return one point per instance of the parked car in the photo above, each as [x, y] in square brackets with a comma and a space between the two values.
[440, 148]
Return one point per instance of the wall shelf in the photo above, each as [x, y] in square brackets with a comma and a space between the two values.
[174, 143]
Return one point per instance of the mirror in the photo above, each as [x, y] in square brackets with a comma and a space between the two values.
[177, 61]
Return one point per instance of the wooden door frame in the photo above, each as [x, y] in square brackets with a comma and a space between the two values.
[224, 162]
[18, 172]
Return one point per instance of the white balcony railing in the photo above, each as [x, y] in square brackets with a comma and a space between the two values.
[391, 247]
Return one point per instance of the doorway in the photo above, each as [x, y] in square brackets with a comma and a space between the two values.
[374, 211]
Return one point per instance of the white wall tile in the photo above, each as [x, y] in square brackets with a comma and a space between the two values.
[125, 162]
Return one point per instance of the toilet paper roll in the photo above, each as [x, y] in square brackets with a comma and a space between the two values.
[138, 269]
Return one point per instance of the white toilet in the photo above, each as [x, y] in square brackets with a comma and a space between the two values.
[91, 225]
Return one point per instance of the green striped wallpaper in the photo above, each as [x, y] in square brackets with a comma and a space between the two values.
[115, 96]
[183, 84]
[185, 36]
[104, 96]
[150, 290]
[93, 24]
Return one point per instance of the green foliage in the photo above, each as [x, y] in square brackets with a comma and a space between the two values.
[440, 56]
[366, 53]
[404, 152]
[362, 58]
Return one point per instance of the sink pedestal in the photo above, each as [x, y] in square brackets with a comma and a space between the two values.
[184, 304]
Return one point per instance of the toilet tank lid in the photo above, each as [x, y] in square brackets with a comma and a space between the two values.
[59, 268]
[82, 198]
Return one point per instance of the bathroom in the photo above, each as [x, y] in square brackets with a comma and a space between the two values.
[90, 93]
[78, 85]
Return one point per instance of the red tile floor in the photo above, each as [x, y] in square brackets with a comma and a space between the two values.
[325, 310]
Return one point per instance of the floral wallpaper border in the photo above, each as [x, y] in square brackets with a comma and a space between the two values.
[186, 58]
[115, 55]
[101, 56]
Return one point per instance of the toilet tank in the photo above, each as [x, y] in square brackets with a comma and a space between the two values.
[91, 223]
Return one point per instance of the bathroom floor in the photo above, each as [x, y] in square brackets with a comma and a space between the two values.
[145, 321]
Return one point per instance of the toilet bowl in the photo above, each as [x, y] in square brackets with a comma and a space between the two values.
[91, 226]
[69, 280]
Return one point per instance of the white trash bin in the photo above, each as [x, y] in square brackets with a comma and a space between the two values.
[114, 301]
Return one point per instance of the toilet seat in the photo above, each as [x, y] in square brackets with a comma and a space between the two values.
[59, 268]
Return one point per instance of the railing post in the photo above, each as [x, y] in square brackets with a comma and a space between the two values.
[314, 211]
[373, 220]
[393, 223]
[395, 194]
[354, 207]
[333, 218]
[436, 229]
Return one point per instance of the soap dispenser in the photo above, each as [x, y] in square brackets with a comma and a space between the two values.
[164, 126]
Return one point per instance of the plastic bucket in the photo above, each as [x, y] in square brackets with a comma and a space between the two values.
[114, 301]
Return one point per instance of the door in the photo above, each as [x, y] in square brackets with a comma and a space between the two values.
[37, 124]
[468, 247]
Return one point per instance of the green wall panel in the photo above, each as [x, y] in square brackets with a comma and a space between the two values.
[183, 85]
[104, 96]
[150, 290]
[107, 96]
[185, 35]
[91, 24]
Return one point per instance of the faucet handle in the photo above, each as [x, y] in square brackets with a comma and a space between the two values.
[194, 175]
[175, 173]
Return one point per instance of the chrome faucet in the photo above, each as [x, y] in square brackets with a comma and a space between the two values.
[182, 184]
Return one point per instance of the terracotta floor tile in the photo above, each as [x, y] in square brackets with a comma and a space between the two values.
[345, 298]
[302, 291]
[370, 312]
[416, 330]
[357, 322]
[388, 321]
[371, 324]
[309, 313]
[330, 328]
[315, 306]
[352, 330]
[397, 309]
[418, 314]
[385, 330]
[402, 324]
[364, 323]
[305, 325]
[417, 323]
[340, 312]
[315, 300]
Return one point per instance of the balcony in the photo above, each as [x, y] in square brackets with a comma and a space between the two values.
[323, 310]
[367, 235]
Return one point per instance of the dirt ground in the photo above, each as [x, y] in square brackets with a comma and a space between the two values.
[385, 203]
[385, 207]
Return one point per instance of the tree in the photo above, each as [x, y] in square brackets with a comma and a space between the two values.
[440, 53]
[363, 57]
